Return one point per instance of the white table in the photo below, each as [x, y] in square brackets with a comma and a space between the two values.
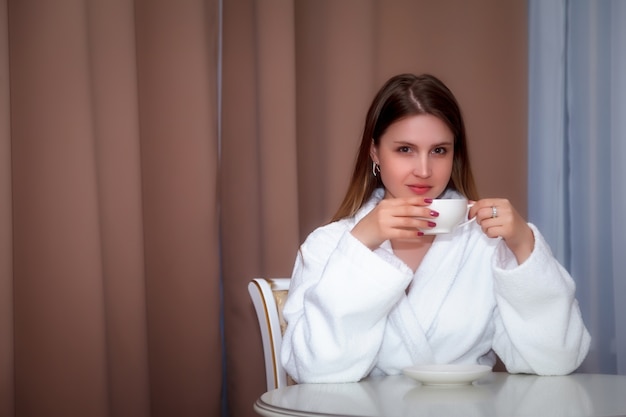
[497, 394]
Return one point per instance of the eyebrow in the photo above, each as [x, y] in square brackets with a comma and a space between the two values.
[445, 143]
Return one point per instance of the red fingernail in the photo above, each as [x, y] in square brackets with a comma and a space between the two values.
[428, 200]
[432, 224]
[420, 233]
[433, 213]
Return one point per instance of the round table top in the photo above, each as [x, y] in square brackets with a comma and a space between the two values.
[497, 394]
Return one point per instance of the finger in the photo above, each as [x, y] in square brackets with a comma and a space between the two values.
[494, 231]
[495, 211]
[483, 214]
[406, 233]
[411, 223]
[495, 227]
[418, 201]
[489, 203]
[401, 201]
[412, 211]
[479, 209]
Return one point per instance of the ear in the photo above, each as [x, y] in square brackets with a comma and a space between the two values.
[374, 151]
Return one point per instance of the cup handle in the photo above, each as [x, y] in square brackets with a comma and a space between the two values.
[470, 220]
[467, 222]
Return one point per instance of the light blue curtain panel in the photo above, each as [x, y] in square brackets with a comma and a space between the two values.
[577, 158]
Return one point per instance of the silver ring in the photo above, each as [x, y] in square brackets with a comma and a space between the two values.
[494, 212]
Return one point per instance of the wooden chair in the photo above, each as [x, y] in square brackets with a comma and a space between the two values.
[268, 297]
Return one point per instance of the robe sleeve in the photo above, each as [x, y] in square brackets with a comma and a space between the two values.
[539, 327]
[340, 296]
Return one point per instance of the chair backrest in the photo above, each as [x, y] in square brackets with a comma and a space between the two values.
[268, 296]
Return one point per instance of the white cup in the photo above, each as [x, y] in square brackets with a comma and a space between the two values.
[452, 215]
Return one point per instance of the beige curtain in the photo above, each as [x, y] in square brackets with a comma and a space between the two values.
[110, 268]
[145, 167]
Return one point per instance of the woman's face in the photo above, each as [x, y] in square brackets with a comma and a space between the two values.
[415, 155]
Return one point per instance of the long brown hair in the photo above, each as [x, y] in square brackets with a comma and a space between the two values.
[402, 96]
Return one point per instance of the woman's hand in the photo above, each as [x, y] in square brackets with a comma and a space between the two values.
[394, 218]
[498, 218]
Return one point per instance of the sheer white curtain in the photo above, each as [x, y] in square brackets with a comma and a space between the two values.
[577, 158]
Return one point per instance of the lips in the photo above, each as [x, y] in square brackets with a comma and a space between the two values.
[420, 189]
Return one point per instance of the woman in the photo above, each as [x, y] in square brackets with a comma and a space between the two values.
[371, 293]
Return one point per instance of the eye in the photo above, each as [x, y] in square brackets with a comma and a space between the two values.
[404, 149]
[440, 150]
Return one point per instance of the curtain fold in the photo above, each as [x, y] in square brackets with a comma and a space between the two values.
[177, 73]
[595, 69]
[114, 106]
[337, 78]
[59, 324]
[617, 175]
[576, 141]
[112, 183]
[6, 228]
[547, 54]
[258, 195]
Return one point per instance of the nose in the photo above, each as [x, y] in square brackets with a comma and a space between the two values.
[422, 166]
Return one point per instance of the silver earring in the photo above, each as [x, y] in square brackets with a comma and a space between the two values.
[375, 168]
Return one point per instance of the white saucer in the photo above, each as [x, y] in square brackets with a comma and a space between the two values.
[446, 374]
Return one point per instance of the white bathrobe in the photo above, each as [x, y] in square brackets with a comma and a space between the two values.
[352, 312]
